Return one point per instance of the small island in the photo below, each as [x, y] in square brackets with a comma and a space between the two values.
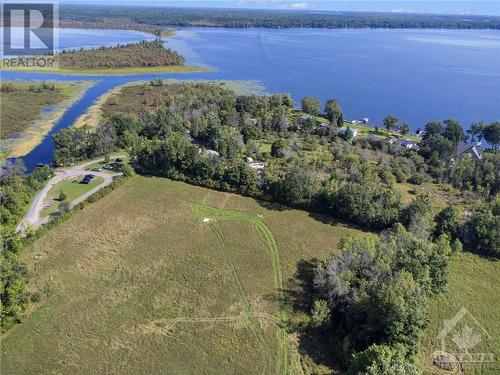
[132, 58]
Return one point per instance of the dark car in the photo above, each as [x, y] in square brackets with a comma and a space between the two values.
[110, 166]
[87, 179]
[119, 160]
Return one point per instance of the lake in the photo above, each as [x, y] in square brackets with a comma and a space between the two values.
[418, 75]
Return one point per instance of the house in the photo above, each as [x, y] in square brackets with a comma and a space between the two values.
[474, 149]
[408, 144]
[390, 140]
[344, 130]
[420, 133]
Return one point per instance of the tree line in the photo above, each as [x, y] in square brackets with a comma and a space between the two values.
[184, 17]
[170, 141]
[18, 189]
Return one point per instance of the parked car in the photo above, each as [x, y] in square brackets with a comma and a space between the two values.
[110, 166]
[97, 169]
[119, 160]
[87, 179]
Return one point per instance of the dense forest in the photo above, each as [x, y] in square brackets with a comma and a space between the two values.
[142, 54]
[138, 17]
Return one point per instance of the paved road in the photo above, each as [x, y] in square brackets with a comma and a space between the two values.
[32, 217]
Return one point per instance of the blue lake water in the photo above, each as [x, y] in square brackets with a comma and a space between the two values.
[418, 75]
[86, 38]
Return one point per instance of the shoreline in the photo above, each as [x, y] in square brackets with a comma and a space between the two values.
[112, 71]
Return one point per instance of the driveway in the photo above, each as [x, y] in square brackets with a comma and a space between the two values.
[32, 217]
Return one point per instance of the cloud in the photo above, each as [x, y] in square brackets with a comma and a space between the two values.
[296, 6]
[462, 12]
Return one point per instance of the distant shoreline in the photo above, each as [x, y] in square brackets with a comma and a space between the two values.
[156, 19]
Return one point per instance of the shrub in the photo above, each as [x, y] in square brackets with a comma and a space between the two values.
[417, 179]
[320, 313]
[62, 196]
[36, 297]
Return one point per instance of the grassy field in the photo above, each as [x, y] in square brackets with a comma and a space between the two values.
[474, 285]
[441, 195]
[22, 130]
[72, 188]
[164, 277]
[366, 130]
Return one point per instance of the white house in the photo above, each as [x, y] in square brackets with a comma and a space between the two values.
[344, 130]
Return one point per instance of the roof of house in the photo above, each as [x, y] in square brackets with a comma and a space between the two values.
[354, 131]
[405, 142]
[474, 148]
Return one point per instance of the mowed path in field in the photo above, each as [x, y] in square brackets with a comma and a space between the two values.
[212, 216]
[140, 282]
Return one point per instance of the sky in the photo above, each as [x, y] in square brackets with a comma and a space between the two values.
[464, 7]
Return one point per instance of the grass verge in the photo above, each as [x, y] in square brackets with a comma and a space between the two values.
[473, 284]
[72, 188]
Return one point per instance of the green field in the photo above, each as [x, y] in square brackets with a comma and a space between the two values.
[72, 188]
[473, 284]
[163, 277]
